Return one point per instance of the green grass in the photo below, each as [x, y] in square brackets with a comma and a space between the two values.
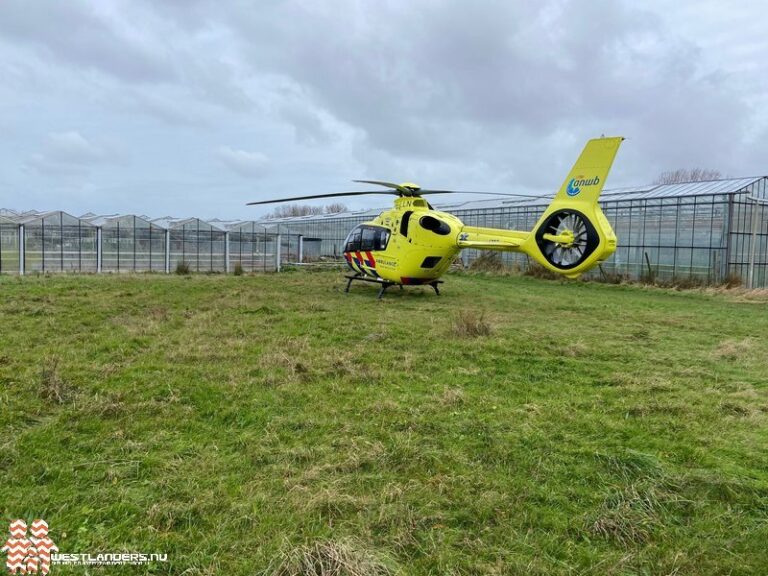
[237, 422]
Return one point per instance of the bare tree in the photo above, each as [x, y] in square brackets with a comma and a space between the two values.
[335, 208]
[687, 175]
[292, 210]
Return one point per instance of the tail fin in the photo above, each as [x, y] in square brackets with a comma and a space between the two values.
[586, 178]
[573, 235]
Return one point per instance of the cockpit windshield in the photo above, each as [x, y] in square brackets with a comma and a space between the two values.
[367, 238]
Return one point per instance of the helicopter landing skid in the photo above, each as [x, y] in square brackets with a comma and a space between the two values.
[384, 284]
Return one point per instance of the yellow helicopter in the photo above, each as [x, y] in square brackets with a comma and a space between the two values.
[414, 244]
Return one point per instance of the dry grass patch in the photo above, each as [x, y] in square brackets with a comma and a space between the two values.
[535, 270]
[471, 324]
[733, 349]
[51, 385]
[735, 409]
[331, 558]
[631, 516]
[451, 397]
[573, 349]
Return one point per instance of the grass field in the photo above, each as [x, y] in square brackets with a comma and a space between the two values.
[237, 423]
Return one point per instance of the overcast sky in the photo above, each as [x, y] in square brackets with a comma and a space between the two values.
[195, 107]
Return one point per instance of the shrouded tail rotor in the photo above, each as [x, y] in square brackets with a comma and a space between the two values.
[567, 238]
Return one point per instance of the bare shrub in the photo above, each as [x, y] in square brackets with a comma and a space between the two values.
[183, 268]
[238, 269]
[330, 558]
[470, 324]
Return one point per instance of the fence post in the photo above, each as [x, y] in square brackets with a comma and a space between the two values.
[167, 251]
[98, 250]
[752, 246]
[22, 250]
[301, 248]
[278, 248]
[226, 252]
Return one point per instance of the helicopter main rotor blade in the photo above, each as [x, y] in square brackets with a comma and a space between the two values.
[486, 193]
[379, 183]
[313, 196]
[397, 190]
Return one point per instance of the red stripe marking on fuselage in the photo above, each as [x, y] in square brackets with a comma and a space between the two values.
[370, 258]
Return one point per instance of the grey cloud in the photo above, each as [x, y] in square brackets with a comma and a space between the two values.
[69, 153]
[244, 163]
[85, 34]
[496, 95]
[424, 80]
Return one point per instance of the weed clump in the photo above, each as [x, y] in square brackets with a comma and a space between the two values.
[238, 269]
[331, 558]
[538, 271]
[470, 324]
[452, 397]
[182, 268]
[51, 385]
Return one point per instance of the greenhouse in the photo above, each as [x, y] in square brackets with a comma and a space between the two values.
[195, 243]
[56, 242]
[130, 244]
[709, 232]
[9, 245]
[59, 242]
[251, 246]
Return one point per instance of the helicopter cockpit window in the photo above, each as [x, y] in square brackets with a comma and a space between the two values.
[369, 235]
[367, 238]
[353, 240]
